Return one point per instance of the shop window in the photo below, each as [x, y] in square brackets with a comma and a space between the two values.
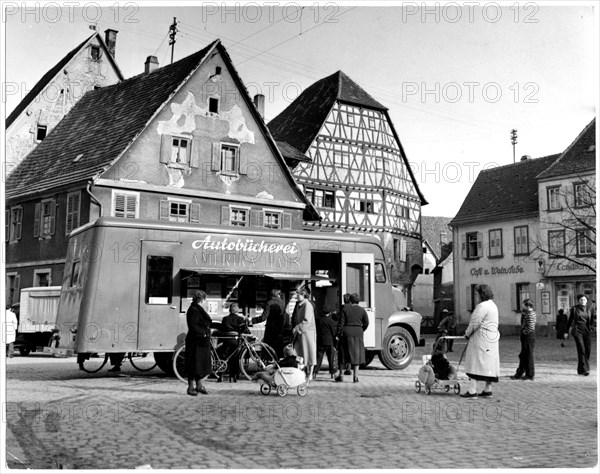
[159, 275]
[521, 240]
[495, 237]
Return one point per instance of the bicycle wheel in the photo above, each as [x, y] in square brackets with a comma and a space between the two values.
[179, 364]
[255, 357]
[94, 362]
[142, 361]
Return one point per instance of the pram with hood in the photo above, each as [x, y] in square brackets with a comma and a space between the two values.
[437, 373]
[284, 375]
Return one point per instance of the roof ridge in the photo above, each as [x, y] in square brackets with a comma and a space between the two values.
[519, 163]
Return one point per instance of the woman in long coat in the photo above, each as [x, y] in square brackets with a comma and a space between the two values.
[351, 327]
[276, 317]
[197, 344]
[582, 321]
[305, 331]
[482, 362]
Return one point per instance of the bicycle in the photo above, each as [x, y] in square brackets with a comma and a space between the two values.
[142, 361]
[254, 356]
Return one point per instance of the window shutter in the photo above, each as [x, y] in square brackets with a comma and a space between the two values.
[131, 209]
[463, 246]
[53, 207]
[194, 212]
[163, 210]
[287, 220]
[36, 219]
[6, 224]
[243, 159]
[469, 298]
[256, 219]
[513, 296]
[216, 158]
[194, 153]
[224, 215]
[479, 244]
[119, 209]
[19, 225]
[166, 148]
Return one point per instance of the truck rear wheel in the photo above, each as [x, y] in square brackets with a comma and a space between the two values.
[164, 360]
[397, 349]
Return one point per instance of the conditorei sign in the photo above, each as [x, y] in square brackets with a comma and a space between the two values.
[250, 253]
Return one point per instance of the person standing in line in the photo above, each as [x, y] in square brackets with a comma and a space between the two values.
[232, 326]
[326, 331]
[338, 315]
[526, 369]
[305, 331]
[582, 322]
[276, 317]
[350, 331]
[482, 361]
[561, 326]
[10, 331]
[197, 344]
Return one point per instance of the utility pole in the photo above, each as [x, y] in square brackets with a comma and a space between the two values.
[513, 140]
[173, 32]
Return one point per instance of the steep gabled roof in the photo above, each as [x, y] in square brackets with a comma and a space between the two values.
[105, 122]
[52, 73]
[509, 191]
[579, 157]
[300, 122]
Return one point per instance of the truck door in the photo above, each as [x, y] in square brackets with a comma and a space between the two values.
[358, 277]
[159, 295]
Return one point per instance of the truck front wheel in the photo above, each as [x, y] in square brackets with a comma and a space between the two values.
[397, 349]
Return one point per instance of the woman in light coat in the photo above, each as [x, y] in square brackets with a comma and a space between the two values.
[482, 362]
[305, 331]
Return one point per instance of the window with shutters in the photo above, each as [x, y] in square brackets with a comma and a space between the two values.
[523, 293]
[272, 220]
[73, 211]
[44, 218]
[125, 204]
[229, 159]
[179, 210]
[238, 216]
[180, 150]
[473, 242]
[16, 223]
[495, 237]
[556, 243]
[12, 288]
[522, 240]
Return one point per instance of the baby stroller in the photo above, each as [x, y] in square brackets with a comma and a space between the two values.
[285, 378]
[437, 373]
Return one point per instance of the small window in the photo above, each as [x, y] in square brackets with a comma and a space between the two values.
[213, 105]
[272, 220]
[473, 245]
[366, 205]
[585, 244]
[95, 53]
[238, 217]
[40, 133]
[379, 273]
[42, 277]
[522, 240]
[495, 238]
[318, 198]
[179, 150]
[556, 243]
[553, 196]
[229, 159]
[178, 211]
[159, 275]
[329, 199]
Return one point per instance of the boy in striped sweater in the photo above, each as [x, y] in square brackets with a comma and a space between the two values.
[526, 370]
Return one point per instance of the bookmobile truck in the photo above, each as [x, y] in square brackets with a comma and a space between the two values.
[127, 284]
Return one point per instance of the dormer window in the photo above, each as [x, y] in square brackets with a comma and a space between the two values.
[95, 53]
[213, 105]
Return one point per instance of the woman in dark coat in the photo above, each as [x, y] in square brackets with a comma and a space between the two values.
[351, 326]
[561, 326]
[277, 319]
[582, 322]
[197, 344]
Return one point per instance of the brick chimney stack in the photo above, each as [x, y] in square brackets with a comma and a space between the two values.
[259, 103]
[151, 64]
[110, 38]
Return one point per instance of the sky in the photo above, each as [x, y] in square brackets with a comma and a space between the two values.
[456, 77]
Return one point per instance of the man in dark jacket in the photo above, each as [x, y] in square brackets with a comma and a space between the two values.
[326, 330]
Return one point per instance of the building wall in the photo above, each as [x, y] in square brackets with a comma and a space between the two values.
[422, 295]
[80, 75]
[502, 274]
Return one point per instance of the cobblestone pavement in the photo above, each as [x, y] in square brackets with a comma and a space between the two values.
[59, 417]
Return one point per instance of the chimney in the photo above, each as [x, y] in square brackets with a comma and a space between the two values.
[110, 38]
[151, 64]
[525, 158]
[259, 102]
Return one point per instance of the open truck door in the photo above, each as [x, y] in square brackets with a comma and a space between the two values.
[358, 277]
